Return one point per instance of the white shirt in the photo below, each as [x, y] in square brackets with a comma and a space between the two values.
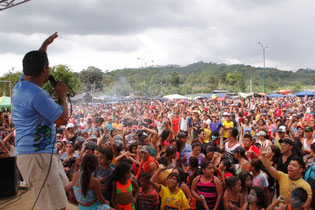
[183, 124]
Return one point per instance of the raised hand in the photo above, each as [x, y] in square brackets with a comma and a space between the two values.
[161, 166]
[263, 149]
[48, 41]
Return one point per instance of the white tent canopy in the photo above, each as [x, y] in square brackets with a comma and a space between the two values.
[175, 96]
[245, 95]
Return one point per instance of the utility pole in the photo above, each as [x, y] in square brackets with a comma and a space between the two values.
[145, 63]
[264, 58]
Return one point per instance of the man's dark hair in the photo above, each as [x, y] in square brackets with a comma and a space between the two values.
[34, 62]
[234, 132]
[108, 154]
[145, 175]
[174, 174]
[257, 164]
[300, 193]
[240, 150]
[248, 136]
[299, 160]
[170, 151]
[181, 135]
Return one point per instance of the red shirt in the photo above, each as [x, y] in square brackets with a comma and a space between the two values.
[255, 150]
[278, 112]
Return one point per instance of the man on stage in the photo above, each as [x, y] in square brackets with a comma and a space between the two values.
[34, 114]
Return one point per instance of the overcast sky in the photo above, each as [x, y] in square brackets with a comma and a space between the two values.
[112, 34]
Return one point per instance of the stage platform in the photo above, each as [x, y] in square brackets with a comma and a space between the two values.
[23, 201]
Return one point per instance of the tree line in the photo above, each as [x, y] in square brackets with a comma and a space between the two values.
[161, 80]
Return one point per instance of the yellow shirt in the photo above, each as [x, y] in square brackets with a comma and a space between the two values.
[119, 127]
[171, 200]
[208, 134]
[287, 185]
[227, 124]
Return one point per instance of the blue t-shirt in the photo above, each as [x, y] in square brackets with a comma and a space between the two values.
[186, 151]
[33, 114]
[216, 126]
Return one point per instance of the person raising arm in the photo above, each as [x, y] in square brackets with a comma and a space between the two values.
[288, 182]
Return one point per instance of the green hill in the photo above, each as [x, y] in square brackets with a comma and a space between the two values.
[193, 78]
[205, 77]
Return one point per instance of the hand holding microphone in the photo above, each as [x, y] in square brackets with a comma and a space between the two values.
[61, 88]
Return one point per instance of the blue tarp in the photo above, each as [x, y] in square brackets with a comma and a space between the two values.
[303, 93]
[275, 95]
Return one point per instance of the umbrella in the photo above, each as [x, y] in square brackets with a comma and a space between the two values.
[305, 93]
[5, 101]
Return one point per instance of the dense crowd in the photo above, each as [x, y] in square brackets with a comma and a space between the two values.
[255, 153]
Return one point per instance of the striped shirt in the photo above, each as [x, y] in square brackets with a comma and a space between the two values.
[148, 201]
[208, 190]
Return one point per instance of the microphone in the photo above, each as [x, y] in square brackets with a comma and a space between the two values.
[52, 80]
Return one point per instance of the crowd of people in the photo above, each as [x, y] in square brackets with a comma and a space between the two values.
[255, 153]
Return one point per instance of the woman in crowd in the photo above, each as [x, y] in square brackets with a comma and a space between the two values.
[69, 152]
[233, 199]
[224, 170]
[256, 200]
[273, 154]
[207, 187]
[247, 183]
[195, 152]
[124, 188]
[87, 189]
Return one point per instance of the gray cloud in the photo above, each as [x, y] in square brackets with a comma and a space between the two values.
[169, 32]
[95, 17]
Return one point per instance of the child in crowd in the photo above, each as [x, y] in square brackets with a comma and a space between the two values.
[124, 189]
[247, 183]
[256, 199]
[207, 185]
[171, 196]
[87, 189]
[196, 152]
[148, 198]
[104, 171]
[297, 200]
[233, 198]
[259, 178]
[182, 182]
[212, 154]
[224, 170]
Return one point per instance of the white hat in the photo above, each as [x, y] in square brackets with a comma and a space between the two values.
[226, 114]
[282, 129]
[261, 133]
[70, 125]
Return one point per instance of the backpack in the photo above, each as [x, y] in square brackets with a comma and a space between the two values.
[310, 176]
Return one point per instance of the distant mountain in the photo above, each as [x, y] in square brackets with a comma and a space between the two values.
[205, 77]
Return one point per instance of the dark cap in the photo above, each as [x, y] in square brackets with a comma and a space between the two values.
[145, 148]
[309, 129]
[286, 140]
